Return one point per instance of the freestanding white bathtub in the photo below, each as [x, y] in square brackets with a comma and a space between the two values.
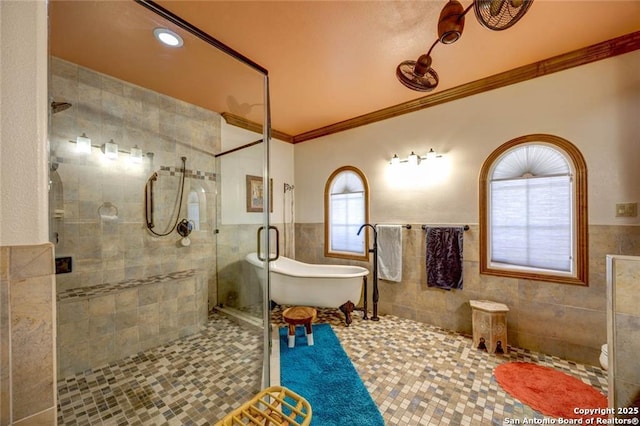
[304, 284]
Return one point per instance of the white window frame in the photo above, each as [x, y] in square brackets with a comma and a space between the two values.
[362, 253]
[578, 271]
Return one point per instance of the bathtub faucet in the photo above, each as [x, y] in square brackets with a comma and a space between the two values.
[376, 295]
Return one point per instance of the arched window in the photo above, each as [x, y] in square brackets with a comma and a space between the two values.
[346, 208]
[533, 211]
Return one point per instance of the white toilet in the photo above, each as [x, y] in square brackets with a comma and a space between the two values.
[604, 357]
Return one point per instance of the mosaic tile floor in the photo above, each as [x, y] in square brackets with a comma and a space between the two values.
[192, 381]
[417, 375]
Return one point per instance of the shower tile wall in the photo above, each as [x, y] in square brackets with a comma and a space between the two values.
[27, 335]
[562, 320]
[624, 335]
[102, 324]
[109, 244]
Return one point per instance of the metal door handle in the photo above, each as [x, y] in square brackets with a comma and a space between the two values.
[259, 241]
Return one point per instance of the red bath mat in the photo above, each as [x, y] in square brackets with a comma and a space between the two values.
[551, 392]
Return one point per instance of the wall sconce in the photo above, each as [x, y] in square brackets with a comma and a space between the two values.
[414, 159]
[110, 150]
[136, 154]
[83, 144]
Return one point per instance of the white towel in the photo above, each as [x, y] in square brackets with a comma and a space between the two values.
[390, 252]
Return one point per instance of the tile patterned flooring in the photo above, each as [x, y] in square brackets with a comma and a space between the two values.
[416, 373]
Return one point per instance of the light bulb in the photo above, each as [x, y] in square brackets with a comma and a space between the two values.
[414, 160]
[83, 144]
[136, 154]
[110, 150]
[168, 37]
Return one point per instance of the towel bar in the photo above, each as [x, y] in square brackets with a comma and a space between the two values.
[408, 225]
[465, 227]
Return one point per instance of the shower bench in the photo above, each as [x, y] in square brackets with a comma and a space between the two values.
[107, 322]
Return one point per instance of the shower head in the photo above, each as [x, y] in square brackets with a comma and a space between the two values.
[59, 106]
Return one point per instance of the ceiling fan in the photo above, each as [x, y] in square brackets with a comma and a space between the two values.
[495, 15]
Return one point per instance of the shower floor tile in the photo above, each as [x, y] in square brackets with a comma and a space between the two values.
[192, 381]
[417, 374]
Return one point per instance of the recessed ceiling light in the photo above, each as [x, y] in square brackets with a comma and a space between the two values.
[168, 37]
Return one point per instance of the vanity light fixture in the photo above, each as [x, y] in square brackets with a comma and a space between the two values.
[414, 159]
[110, 150]
[168, 37]
[83, 144]
[136, 154]
[432, 155]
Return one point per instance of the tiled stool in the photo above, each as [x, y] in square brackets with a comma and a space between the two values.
[299, 315]
[489, 324]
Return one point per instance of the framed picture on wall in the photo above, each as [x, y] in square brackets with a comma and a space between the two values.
[255, 194]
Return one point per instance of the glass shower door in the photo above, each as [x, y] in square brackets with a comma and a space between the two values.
[241, 225]
[142, 99]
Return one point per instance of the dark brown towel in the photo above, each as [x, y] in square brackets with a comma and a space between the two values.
[444, 257]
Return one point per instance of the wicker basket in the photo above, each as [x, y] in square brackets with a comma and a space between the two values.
[276, 405]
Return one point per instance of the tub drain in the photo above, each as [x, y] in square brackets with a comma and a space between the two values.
[178, 373]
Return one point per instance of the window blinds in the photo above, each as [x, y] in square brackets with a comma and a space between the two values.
[346, 216]
[531, 222]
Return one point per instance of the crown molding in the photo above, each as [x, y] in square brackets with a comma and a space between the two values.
[236, 120]
[607, 49]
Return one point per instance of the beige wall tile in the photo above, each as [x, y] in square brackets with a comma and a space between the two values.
[44, 418]
[627, 348]
[127, 342]
[581, 353]
[562, 320]
[72, 359]
[102, 349]
[126, 300]
[102, 305]
[148, 295]
[627, 287]
[584, 327]
[72, 311]
[126, 319]
[31, 261]
[32, 336]
[74, 333]
[5, 366]
[5, 257]
[625, 394]
[99, 325]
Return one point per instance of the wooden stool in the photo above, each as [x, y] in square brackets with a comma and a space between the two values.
[489, 324]
[299, 315]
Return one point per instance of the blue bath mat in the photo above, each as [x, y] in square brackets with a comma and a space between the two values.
[324, 375]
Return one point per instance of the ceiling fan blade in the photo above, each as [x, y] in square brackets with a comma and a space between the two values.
[496, 6]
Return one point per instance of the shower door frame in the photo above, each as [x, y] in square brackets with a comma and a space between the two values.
[266, 137]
